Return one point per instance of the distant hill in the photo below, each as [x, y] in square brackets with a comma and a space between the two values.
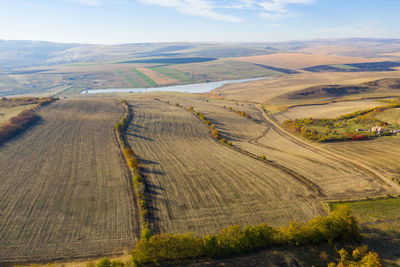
[328, 91]
[16, 54]
[28, 53]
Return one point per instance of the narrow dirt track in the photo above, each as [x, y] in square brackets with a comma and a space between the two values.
[198, 185]
[340, 157]
[337, 177]
[385, 159]
[64, 190]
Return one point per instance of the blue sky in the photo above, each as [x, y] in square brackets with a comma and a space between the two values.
[133, 21]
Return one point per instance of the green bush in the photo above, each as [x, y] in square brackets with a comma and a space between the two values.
[234, 239]
[106, 262]
[360, 258]
[145, 234]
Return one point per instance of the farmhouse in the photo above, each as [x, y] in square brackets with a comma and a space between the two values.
[377, 129]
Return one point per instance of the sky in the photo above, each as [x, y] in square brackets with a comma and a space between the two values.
[142, 21]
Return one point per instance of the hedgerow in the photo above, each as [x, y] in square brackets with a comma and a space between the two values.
[21, 101]
[133, 164]
[214, 131]
[25, 118]
[234, 240]
[241, 113]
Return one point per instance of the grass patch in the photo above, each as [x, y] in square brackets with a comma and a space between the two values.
[380, 227]
[372, 210]
[128, 79]
[145, 77]
[353, 126]
[174, 73]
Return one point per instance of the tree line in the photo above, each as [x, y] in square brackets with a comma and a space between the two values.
[340, 225]
[133, 164]
[24, 119]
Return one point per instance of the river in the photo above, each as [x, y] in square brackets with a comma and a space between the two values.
[186, 88]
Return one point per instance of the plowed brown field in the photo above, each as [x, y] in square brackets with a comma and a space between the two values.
[337, 177]
[196, 184]
[64, 188]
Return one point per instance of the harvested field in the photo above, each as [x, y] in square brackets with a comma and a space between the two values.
[356, 67]
[381, 154]
[157, 77]
[336, 177]
[299, 60]
[198, 185]
[65, 190]
[6, 113]
[223, 69]
[275, 90]
[392, 116]
[329, 111]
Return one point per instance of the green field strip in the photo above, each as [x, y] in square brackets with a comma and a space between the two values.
[343, 67]
[144, 77]
[372, 210]
[174, 74]
[128, 79]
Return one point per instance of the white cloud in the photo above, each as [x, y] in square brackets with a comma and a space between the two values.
[274, 10]
[271, 9]
[194, 7]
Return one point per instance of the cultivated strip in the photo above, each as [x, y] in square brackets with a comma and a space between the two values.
[197, 185]
[216, 134]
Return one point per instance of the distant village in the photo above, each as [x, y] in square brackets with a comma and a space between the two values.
[378, 130]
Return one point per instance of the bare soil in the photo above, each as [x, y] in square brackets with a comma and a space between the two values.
[64, 190]
[196, 184]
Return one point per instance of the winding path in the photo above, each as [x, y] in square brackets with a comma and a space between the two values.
[283, 132]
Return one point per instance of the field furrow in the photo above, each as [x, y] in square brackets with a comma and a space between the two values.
[336, 177]
[196, 184]
[64, 187]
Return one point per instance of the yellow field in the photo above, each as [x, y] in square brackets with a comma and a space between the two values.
[271, 91]
[299, 61]
[330, 111]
